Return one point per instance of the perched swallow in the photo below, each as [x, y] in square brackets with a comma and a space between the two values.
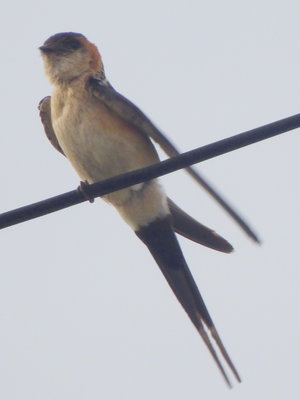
[103, 134]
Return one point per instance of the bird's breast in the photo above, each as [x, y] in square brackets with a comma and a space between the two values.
[97, 142]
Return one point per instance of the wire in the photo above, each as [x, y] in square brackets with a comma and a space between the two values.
[88, 192]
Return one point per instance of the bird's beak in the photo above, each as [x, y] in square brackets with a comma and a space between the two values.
[47, 49]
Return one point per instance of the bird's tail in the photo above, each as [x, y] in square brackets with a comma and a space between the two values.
[161, 241]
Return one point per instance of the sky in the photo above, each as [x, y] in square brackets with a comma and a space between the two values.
[84, 310]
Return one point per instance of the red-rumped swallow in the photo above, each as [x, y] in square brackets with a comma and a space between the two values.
[103, 134]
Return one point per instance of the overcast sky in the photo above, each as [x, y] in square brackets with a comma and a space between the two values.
[84, 310]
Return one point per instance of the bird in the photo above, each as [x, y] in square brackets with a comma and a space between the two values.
[103, 134]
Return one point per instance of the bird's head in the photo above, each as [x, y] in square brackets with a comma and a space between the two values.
[68, 55]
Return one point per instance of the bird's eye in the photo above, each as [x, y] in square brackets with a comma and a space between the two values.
[73, 44]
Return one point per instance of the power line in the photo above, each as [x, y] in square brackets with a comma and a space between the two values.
[88, 192]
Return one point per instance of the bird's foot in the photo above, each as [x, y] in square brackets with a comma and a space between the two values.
[83, 189]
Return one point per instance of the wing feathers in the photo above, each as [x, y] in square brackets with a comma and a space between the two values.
[132, 114]
[45, 114]
[188, 227]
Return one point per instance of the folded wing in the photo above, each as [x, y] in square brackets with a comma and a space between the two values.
[133, 115]
[188, 227]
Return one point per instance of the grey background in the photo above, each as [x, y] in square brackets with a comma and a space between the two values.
[84, 311]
